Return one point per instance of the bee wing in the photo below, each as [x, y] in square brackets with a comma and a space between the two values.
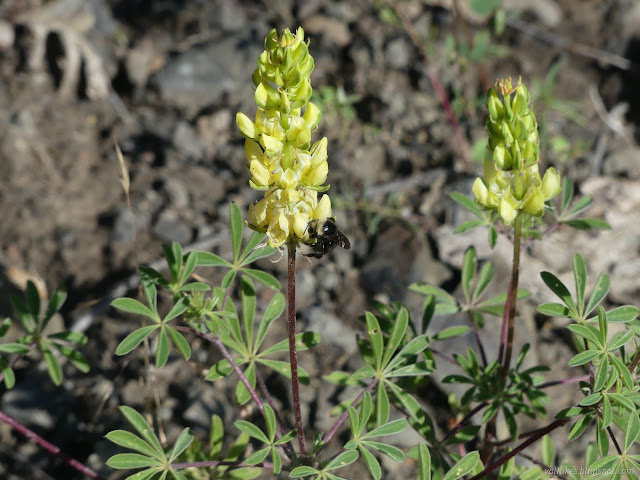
[343, 241]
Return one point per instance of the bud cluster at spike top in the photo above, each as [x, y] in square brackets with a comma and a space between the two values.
[281, 159]
[511, 180]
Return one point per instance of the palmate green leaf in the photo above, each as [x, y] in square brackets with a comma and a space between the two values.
[342, 460]
[138, 422]
[178, 309]
[128, 440]
[179, 341]
[228, 278]
[512, 426]
[623, 401]
[619, 339]
[131, 305]
[189, 266]
[428, 309]
[623, 314]
[631, 432]
[16, 348]
[303, 471]
[390, 451]
[492, 236]
[467, 203]
[9, 377]
[304, 341]
[53, 366]
[469, 225]
[412, 370]
[409, 403]
[588, 332]
[424, 457]
[584, 357]
[276, 460]
[273, 311]
[184, 440]
[284, 368]
[465, 465]
[602, 375]
[579, 427]
[248, 308]
[371, 462]
[251, 430]
[242, 394]
[55, 304]
[411, 349]
[25, 317]
[484, 279]
[469, 266]
[397, 334]
[623, 371]
[600, 290]
[270, 421]
[548, 452]
[208, 259]
[451, 332]
[588, 224]
[125, 461]
[162, 350]
[426, 289]
[77, 338]
[390, 428]
[382, 405]
[557, 287]
[580, 276]
[375, 337]
[145, 474]
[264, 278]
[602, 438]
[195, 287]
[33, 300]
[553, 309]
[607, 412]
[75, 357]
[591, 399]
[258, 456]
[235, 219]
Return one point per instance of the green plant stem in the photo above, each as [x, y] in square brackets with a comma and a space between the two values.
[513, 292]
[49, 447]
[476, 333]
[293, 356]
[534, 438]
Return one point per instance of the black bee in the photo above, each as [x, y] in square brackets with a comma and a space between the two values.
[325, 237]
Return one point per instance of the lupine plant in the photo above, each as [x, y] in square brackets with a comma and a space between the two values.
[399, 351]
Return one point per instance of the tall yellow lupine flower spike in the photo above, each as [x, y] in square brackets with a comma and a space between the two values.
[282, 161]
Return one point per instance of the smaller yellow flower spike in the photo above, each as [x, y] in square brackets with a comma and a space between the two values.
[511, 180]
[279, 154]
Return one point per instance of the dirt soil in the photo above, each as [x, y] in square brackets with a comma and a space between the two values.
[164, 79]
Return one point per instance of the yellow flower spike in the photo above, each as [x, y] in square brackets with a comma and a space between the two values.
[551, 185]
[246, 126]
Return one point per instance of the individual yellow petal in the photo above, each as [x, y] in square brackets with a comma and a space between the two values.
[323, 210]
[252, 150]
[533, 202]
[258, 214]
[289, 179]
[317, 175]
[551, 184]
[259, 174]
[319, 151]
[272, 145]
[312, 116]
[246, 126]
[300, 222]
[480, 192]
[508, 208]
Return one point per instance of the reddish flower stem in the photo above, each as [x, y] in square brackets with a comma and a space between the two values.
[293, 356]
[49, 447]
[332, 431]
[217, 463]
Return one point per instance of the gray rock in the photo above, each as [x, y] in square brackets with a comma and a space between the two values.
[170, 229]
[186, 141]
[397, 54]
[202, 75]
[332, 330]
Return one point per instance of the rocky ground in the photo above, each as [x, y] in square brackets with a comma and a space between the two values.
[165, 79]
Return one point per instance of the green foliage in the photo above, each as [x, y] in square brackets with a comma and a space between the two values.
[34, 322]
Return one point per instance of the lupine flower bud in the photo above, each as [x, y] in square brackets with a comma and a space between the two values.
[512, 182]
